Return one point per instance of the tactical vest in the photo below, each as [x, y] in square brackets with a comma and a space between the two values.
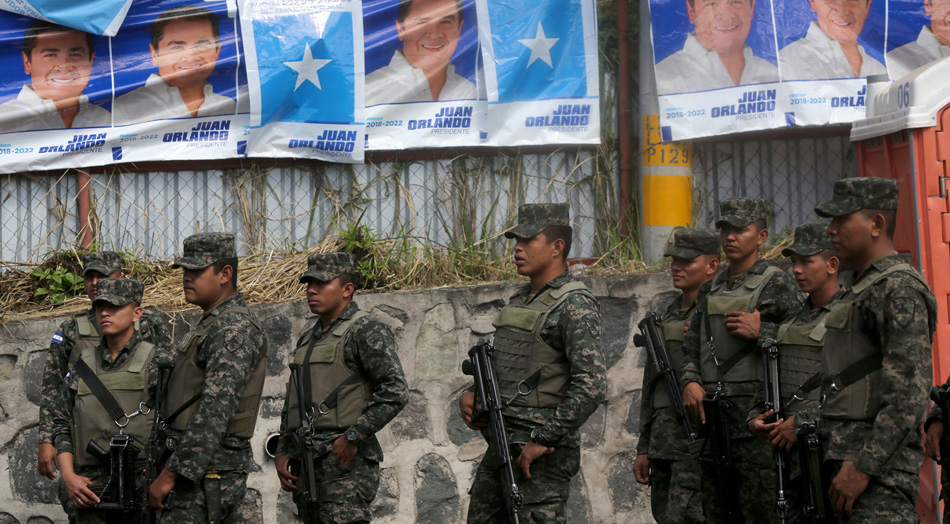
[720, 301]
[800, 359]
[848, 344]
[520, 352]
[188, 380]
[673, 333]
[129, 385]
[88, 337]
[327, 371]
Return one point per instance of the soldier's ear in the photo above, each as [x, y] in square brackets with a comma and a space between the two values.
[348, 289]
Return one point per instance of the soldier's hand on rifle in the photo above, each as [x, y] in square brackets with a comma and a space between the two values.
[641, 468]
[744, 325]
[529, 453]
[44, 460]
[160, 487]
[344, 450]
[693, 395]
[283, 473]
[782, 436]
[932, 440]
[760, 427]
[846, 487]
[77, 487]
[467, 407]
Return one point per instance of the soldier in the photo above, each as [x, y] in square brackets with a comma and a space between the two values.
[126, 368]
[554, 323]
[662, 456]
[800, 346]
[349, 355]
[881, 331]
[737, 311]
[75, 335]
[214, 391]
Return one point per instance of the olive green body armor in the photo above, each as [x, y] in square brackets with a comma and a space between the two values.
[129, 385]
[719, 302]
[673, 333]
[847, 345]
[187, 380]
[328, 370]
[520, 353]
[800, 358]
[88, 337]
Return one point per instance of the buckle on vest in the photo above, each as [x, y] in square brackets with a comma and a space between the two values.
[144, 409]
[320, 407]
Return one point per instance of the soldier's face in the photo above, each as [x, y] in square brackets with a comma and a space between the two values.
[59, 66]
[851, 236]
[691, 273]
[328, 298]
[91, 278]
[203, 287]
[812, 272]
[740, 242]
[116, 320]
[841, 20]
[187, 53]
[721, 25]
[533, 256]
[939, 13]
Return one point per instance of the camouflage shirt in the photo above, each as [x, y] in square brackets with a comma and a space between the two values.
[228, 354]
[778, 302]
[662, 435]
[152, 328]
[892, 314]
[369, 347]
[573, 328]
[62, 413]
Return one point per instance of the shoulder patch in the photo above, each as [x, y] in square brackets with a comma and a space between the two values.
[57, 338]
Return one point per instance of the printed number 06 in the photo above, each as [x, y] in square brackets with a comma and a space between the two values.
[903, 95]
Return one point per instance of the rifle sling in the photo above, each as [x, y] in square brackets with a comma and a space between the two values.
[99, 389]
[334, 395]
[854, 372]
[171, 418]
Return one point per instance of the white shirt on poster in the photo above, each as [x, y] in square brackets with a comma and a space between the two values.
[400, 82]
[695, 68]
[910, 56]
[157, 100]
[817, 57]
[31, 112]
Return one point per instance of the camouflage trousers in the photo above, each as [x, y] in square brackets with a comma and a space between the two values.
[754, 461]
[99, 476]
[675, 496]
[888, 499]
[212, 500]
[344, 494]
[544, 494]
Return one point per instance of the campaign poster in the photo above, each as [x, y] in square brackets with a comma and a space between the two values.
[176, 67]
[305, 72]
[918, 33]
[55, 96]
[540, 67]
[99, 17]
[421, 74]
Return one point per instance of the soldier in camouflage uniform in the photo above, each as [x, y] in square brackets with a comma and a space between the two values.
[214, 392]
[882, 333]
[74, 335]
[800, 347]
[555, 321]
[128, 367]
[663, 459]
[736, 312]
[351, 355]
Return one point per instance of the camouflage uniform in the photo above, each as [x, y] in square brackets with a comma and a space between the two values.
[883, 312]
[572, 328]
[675, 495]
[210, 459]
[777, 301]
[116, 291]
[345, 494]
[67, 344]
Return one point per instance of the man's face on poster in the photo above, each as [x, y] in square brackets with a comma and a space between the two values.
[721, 25]
[187, 52]
[59, 65]
[841, 20]
[430, 33]
[939, 13]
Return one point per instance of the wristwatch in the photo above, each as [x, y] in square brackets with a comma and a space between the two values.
[351, 436]
[538, 437]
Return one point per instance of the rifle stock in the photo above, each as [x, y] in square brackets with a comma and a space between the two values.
[157, 445]
[117, 495]
[304, 443]
[813, 488]
[479, 366]
[718, 447]
[773, 401]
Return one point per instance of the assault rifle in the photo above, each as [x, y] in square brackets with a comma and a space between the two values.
[157, 446]
[773, 401]
[718, 452]
[941, 396]
[651, 338]
[480, 367]
[117, 496]
[303, 439]
[813, 489]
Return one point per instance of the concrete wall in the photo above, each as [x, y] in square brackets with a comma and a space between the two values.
[430, 456]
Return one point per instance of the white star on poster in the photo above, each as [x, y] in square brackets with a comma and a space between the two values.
[307, 68]
[540, 47]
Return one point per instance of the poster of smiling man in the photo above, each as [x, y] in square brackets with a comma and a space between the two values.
[421, 81]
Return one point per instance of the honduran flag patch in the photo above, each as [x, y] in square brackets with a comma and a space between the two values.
[57, 338]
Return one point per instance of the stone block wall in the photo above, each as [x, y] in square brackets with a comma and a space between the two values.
[430, 455]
